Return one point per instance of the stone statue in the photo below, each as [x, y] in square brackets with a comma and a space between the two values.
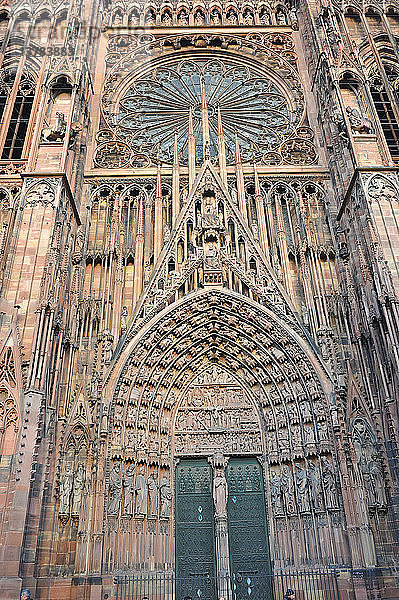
[305, 314]
[302, 488]
[183, 18]
[359, 124]
[128, 487]
[215, 18]
[374, 482]
[275, 491]
[108, 351]
[220, 494]
[330, 492]
[141, 493]
[78, 487]
[211, 257]
[65, 490]
[365, 446]
[115, 490]
[232, 17]
[264, 17]
[56, 133]
[124, 315]
[166, 497]
[287, 488]
[152, 484]
[280, 17]
[315, 485]
[199, 18]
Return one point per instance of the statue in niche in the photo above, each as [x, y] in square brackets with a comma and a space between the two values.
[115, 490]
[141, 493]
[215, 18]
[366, 450]
[124, 315]
[280, 17]
[199, 18]
[182, 19]
[78, 487]
[323, 431]
[56, 133]
[118, 19]
[210, 217]
[152, 485]
[232, 17]
[166, 497]
[264, 17]
[305, 314]
[287, 488]
[315, 485]
[377, 480]
[128, 487]
[220, 493]
[275, 491]
[358, 122]
[248, 17]
[211, 256]
[302, 487]
[66, 490]
[309, 435]
[166, 18]
[305, 410]
[328, 478]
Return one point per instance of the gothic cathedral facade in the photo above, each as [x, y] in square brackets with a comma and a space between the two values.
[199, 317]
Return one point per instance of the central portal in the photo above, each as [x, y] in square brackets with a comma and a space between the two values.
[222, 543]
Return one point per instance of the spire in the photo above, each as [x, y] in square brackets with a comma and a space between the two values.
[205, 121]
[158, 216]
[260, 210]
[222, 150]
[175, 183]
[191, 149]
[240, 180]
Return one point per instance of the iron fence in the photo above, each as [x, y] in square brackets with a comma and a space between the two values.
[246, 585]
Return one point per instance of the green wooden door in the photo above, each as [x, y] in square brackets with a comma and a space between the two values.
[248, 535]
[195, 535]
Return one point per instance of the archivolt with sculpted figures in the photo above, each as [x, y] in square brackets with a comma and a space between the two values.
[216, 373]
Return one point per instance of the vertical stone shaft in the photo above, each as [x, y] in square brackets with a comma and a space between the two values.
[158, 216]
[240, 181]
[205, 121]
[260, 210]
[282, 242]
[191, 150]
[175, 184]
[139, 251]
[222, 150]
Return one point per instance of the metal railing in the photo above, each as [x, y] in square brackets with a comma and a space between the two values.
[308, 585]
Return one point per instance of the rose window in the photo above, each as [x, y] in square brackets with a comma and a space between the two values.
[157, 105]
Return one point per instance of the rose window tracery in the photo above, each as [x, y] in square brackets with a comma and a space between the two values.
[156, 106]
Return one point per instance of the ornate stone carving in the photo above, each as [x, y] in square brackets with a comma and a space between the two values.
[220, 493]
[217, 418]
[115, 490]
[41, 192]
[141, 493]
[367, 454]
[165, 496]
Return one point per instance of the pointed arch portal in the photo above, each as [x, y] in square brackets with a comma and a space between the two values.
[217, 383]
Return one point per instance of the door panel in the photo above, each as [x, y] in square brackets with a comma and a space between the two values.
[248, 536]
[195, 535]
